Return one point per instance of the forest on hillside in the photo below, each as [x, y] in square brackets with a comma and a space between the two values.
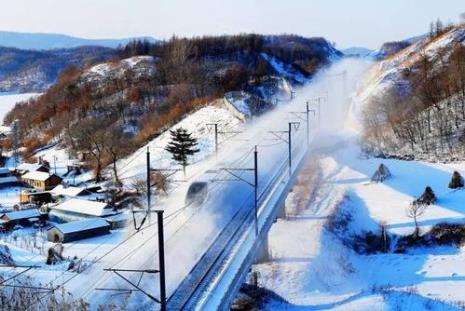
[423, 114]
[146, 87]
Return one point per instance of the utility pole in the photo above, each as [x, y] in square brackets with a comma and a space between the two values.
[289, 132]
[55, 163]
[288, 141]
[307, 112]
[291, 124]
[255, 156]
[15, 143]
[254, 184]
[161, 260]
[215, 127]
[161, 263]
[148, 183]
[298, 115]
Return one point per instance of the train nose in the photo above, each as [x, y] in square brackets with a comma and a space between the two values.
[197, 193]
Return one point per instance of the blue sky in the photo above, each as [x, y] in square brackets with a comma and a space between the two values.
[347, 22]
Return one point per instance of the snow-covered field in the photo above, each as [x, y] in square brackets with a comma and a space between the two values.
[312, 268]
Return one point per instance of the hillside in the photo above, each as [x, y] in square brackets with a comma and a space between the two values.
[48, 41]
[149, 87]
[25, 71]
[414, 99]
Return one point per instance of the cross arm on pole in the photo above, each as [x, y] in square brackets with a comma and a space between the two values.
[275, 133]
[136, 286]
[231, 172]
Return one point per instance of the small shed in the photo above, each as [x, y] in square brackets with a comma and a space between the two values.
[69, 191]
[7, 179]
[118, 221]
[24, 217]
[78, 230]
[24, 168]
[77, 209]
[33, 196]
[41, 180]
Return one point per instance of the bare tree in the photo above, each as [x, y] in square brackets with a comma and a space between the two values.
[117, 146]
[90, 136]
[414, 211]
[161, 183]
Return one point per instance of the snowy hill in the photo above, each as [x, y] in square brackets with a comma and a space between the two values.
[413, 99]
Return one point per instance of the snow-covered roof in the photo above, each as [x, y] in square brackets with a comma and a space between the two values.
[119, 217]
[4, 171]
[67, 191]
[8, 179]
[42, 176]
[29, 167]
[84, 207]
[28, 213]
[77, 226]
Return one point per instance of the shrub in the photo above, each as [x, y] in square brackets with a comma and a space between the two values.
[456, 181]
[428, 197]
[381, 174]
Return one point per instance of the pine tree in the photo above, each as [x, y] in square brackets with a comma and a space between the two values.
[181, 146]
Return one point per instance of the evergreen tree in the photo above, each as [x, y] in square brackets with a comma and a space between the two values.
[456, 181]
[181, 146]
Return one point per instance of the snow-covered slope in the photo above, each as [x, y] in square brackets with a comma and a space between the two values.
[314, 264]
[388, 72]
[134, 166]
[140, 65]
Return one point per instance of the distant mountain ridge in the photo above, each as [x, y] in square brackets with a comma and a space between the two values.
[357, 51]
[47, 41]
[25, 71]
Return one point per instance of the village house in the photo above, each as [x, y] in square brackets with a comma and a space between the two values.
[78, 230]
[41, 180]
[118, 221]
[7, 179]
[77, 209]
[24, 218]
[69, 191]
[24, 168]
[34, 196]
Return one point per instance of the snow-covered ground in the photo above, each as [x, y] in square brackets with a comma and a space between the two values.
[312, 268]
[134, 167]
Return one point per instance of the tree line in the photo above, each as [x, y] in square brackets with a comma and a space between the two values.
[185, 74]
